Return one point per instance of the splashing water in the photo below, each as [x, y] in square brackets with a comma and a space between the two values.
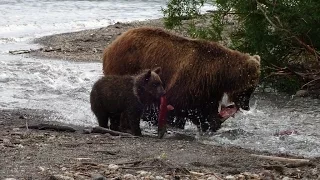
[59, 86]
[261, 127]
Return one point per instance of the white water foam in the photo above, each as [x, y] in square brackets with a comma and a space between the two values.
[59, 86]
[261, 127]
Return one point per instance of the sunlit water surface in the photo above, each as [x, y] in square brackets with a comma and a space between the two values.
[63, 87]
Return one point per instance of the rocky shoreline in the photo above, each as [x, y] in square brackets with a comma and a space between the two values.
[86, 45]
[72, 153]
[28, 153]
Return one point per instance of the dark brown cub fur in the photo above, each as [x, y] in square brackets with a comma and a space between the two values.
[122, 99]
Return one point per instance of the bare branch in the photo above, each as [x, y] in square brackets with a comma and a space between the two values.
[300, 42]
[317, 79]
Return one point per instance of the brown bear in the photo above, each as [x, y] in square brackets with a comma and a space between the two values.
[202, 78]
[122, 99]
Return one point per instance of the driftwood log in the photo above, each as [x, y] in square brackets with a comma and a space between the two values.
[54, 127]
[102, 130]
[282, 159]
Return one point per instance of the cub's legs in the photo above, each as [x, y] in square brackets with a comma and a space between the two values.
[130, 121]
[115, 122]
[103, 119]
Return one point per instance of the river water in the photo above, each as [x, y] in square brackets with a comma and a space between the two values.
[63, 87]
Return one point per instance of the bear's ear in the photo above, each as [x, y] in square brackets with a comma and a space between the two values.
[147, 75]
[256, 57]
[157, 70]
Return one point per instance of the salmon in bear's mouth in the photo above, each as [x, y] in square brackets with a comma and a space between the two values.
[227, 112]
[227, 108]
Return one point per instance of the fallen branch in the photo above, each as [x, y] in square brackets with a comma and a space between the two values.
[299, 164]
[203, 174]
[309, 82]
[277, 168]
[141, 167]
[50, 49]
[92, 142]
[282, 159]
[130, 162]
[196, 173]
[108, 152]
[51, 127]
[27, 126]
[102, 130]
[216, 176]
[15, 52]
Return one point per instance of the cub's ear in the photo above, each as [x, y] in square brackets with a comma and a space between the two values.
[147, 75]
[158, 70]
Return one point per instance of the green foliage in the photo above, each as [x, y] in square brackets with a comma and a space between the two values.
[277, 30]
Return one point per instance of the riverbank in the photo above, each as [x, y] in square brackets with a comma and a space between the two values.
[46, 154]
[87, 45]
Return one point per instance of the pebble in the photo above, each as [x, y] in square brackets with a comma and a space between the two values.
[230, 177]
[212, 178]
[143, 173]
[159, 177]
[314, 171]
[286, 178]
[241, 177]
[10, 179]
[98, 177]
[267, 175]
[20, 146]
[129, 177]
[113, 167]
[249, 175]
[167, 176]
[87, 131]
[6, 141]
[60, 177]
[302, 93]
[41, 168]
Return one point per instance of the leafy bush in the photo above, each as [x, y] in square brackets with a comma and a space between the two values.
[285, 33]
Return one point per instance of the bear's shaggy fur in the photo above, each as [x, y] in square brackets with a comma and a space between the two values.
[196, 73]
[122, 99]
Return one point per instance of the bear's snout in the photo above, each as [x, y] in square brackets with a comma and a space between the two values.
[161, 92]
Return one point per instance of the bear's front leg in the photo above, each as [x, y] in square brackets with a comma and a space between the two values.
[213, 121]
[210, 119]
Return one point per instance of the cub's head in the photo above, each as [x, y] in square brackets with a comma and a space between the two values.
[150, 83]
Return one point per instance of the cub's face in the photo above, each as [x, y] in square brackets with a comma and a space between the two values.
[153, 84]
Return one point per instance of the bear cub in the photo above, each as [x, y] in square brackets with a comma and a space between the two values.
[123, 98]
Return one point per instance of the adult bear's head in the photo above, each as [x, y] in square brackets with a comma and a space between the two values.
[232, 101]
